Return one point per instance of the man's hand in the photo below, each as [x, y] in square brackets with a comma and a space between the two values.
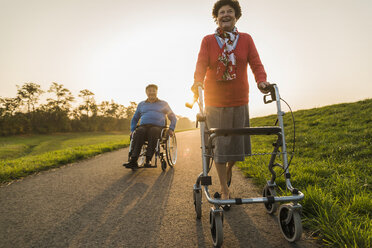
[262, 87]
[194, 88]
[171, 132]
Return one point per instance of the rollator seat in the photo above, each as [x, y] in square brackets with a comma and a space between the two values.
[269, 130]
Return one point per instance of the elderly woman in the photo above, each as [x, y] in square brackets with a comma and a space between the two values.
[222, 70]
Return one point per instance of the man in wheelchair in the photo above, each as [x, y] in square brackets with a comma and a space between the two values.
[152, 112]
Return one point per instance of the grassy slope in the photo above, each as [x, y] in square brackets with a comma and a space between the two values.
[23, 155]
[332, 166]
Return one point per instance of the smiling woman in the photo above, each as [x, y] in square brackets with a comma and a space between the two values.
[222, 70]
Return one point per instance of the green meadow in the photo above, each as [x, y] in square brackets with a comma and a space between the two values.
[332, 166]
[24, 155]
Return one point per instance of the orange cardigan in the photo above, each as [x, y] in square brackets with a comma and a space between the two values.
[234, 92]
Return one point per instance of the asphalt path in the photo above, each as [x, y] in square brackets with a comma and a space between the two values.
[99, 203]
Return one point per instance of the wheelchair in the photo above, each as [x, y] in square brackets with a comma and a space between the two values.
[165, 150]
[289, 214]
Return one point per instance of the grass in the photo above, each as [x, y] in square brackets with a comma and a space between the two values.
[332, 167]
[24, 155]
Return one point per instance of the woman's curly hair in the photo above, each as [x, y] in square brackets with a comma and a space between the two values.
[233, 3]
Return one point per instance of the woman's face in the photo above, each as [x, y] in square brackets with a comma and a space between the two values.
[226, 18]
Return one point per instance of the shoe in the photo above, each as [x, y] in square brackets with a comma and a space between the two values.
[127, 165]
[225, 207]
[134, 166]
[131, 165]
[147, 165]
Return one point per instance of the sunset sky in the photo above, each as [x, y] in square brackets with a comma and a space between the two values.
[319, 52]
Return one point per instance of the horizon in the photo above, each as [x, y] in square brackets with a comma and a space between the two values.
[283, 105]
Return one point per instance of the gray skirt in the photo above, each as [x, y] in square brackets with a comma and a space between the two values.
[230, 148]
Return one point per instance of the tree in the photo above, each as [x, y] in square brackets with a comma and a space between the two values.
[114, 108]
[89, 104]
[108, 109]
[9, 105]
[64, 97]
[130, 110]
[30, 93]
[104, 108]
[121, 112]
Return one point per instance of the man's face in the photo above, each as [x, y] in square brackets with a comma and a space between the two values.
[152, 93]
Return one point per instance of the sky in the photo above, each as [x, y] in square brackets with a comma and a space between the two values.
[318, 52]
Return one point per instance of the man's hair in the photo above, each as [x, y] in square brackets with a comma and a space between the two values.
[152, 86]
[233, 3]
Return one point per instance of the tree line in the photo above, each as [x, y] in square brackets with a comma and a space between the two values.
[24, 114]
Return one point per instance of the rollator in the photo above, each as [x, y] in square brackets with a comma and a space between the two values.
[289, 213]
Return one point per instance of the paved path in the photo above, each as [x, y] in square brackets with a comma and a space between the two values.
[99, 203]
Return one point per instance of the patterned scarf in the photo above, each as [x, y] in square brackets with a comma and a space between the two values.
[226, 63]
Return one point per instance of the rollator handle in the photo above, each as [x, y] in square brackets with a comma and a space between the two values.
[190, 105]
[271, 93]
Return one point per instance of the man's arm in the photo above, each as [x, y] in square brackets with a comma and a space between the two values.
[135, 118]
[172, 117]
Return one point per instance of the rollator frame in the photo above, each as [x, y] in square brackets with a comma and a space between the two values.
[289, 214]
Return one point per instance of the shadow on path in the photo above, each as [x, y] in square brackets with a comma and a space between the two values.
[127, 214]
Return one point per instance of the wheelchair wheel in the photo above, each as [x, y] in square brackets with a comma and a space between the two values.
[290, 223]
[142, 156]
[197, 194]
[270, 207]
[215, 219]
[171, 150]
[163, 165]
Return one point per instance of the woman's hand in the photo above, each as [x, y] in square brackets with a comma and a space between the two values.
[194, 88]
[171, 132]
[262, 87]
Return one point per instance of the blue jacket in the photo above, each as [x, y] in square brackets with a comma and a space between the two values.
[153, 113]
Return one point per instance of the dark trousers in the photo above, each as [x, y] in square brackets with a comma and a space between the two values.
[150, 133]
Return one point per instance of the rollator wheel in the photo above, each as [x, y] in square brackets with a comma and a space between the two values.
[163, 165]
[215, 219]
[198, 202]
[270, 207]
[290, 223]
